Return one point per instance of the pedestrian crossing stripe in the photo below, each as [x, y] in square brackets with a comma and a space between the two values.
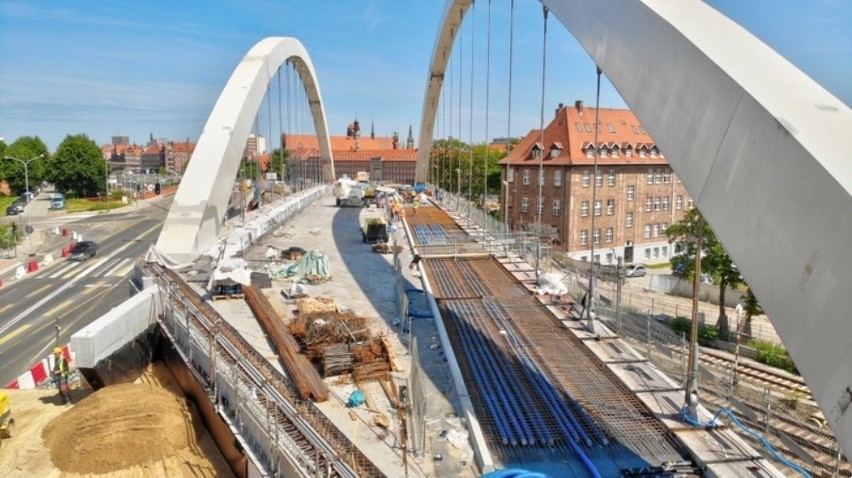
[58, 308]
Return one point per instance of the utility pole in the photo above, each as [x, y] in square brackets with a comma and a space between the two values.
[26, 162]
[691, 397]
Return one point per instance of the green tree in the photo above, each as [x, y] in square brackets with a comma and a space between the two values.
[278, 161]
[24, 148]
[78, 168]
[9, 236]
[752, 308]
[715, 260]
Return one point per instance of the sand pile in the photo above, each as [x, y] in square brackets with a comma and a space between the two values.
[144, 429]
[119, 427]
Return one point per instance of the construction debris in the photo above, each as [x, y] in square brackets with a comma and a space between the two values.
[305, 378]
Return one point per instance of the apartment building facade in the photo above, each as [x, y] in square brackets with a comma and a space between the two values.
[622, 210]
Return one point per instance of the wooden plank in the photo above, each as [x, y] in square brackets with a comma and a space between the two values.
[394, 362]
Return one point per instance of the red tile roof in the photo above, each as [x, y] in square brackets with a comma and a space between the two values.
[572, 131]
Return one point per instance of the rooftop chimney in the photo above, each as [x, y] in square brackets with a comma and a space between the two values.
[559, 108]
[579, 105]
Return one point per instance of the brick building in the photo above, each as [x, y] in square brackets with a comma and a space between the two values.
[633, 198]
[382, 157]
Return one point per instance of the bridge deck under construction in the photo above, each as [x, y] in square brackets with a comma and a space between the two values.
[536, 386]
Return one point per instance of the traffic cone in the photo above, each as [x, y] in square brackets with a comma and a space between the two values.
[32, 266]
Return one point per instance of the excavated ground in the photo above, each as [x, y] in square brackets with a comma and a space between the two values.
[140, 429]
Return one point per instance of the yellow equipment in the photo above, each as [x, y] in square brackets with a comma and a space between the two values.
[7, 423]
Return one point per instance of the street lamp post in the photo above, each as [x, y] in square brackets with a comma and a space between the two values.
[26, 163]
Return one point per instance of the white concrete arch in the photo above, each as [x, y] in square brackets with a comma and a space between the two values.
[195, 218]
[761, 147]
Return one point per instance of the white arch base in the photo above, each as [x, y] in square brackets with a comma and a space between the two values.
[761, 147]
[195, 218]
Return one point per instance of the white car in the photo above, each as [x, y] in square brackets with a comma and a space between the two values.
[635, 270]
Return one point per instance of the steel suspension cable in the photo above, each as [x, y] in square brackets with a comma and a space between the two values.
[461, 88]
[590, 311]
[280, 131]
[509, 116]
[487, 103]
[540, 203]
[470, 111]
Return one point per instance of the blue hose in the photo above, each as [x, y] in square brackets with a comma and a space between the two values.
[726, 411]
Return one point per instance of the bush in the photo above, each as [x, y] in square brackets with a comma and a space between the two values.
[681, 325]
[773, 355]
[708, 334]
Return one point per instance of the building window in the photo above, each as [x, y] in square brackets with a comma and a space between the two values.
[541, 177]
[658, 178]
[656, 253]
[657, 203]
[539, 205]
[597, 207]
[647, 231]
[584, 237]
[585, 178]
[579, 128]
[689, 203]
[596, 236]
[628, 219]
[614, 152]
[643, 152]
[649, 203]
[628, 151]
[656, 230]
[526, 177]
[584, 208]
[588, 128]
[536, 153]
[665, 204]
[557, 207]
[647, 254]
[679, 202]
[603, 152]
[611, 128]
[654, 152]
[510, 175]
[599, 178]
[525, 205]
[609, 234]
[557, 178]
[610, 180]
[610, 207]
[664, 251]
[590, 152]
[667, 176]
[650, 179]
[631, 191]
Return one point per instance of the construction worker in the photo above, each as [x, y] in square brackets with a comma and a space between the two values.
[60, 375]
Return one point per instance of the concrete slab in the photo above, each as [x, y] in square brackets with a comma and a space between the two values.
[614, 351]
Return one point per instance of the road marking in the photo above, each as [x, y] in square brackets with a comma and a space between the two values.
[58, 308]
[93, 287]
[8, 325]
[12, 335]
[109, 266]
[7, 306]
[37, 291]
[121, 269]
[65, 268]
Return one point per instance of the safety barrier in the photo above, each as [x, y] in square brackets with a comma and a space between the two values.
[40, 372]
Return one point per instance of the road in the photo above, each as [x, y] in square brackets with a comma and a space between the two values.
[70, 295]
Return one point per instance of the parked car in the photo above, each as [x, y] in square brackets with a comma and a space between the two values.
[635, 270]
[26, 197]
[15, 208]
[83, 250]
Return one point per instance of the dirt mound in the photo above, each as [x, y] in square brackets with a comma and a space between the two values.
[118, 427]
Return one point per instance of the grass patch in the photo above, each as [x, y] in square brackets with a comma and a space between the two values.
[85, 205]
[773, 355]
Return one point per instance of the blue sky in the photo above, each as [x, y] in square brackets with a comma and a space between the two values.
[157, 67]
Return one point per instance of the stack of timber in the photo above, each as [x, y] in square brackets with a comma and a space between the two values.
[336, 359]
[305, 378]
